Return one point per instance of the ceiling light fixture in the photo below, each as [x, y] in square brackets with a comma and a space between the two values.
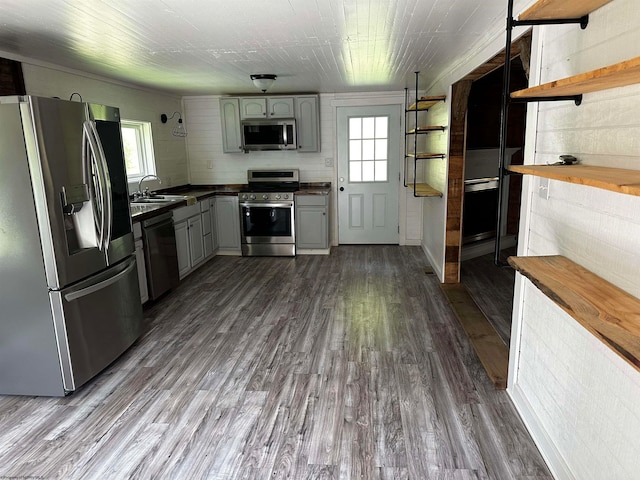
[263, 81]
[179, 130]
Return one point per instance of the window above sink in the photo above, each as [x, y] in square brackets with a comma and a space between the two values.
[138, 149]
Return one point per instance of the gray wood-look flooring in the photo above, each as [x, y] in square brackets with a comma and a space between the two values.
[491, 287]
[348, 366]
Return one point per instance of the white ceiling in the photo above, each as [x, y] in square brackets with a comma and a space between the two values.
[192, 47]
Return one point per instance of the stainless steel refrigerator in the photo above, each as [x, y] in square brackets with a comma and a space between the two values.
[69, 295]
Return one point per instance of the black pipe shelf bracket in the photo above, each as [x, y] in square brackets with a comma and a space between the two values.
[577, 99]
[511, 23]
[582, 21]
[421, 104]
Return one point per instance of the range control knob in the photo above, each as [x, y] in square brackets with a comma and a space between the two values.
[277, 196]
[265, 197]
[244, 196]
[252, 197]
[286, 196]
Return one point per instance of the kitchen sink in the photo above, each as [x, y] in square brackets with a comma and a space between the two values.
[158, 199]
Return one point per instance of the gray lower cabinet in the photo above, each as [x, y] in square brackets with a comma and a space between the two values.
[214, 229]
[312, 222]
[187, 222]
[207, 230]
[228, 223]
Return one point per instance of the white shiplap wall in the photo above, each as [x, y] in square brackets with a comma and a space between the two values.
[208, 164]
[435, 174]
[578, 397]
[134, 104]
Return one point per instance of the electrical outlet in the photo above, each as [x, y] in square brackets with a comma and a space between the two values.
[210, 164]
[328, 162]
[543, 188]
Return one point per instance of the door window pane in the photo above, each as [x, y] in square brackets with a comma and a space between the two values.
[368, 174]
[355, 128]
[368, 127]
[355, 150]
[368, 149]
[355, 171]
[382, 130]
[381, 171]
[382, 152]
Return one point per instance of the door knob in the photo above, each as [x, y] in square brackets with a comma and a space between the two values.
[342, 189]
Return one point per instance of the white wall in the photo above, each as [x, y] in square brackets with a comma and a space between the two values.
[134, 104]
[209, 165]
[578, 398]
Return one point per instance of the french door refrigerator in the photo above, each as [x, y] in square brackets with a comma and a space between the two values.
[69, 295]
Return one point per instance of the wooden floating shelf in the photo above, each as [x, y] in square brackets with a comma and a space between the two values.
[613, 179]
[608, 312]
[425, 190]
[613, 76]
[555, 9]
[426, 129]
[425, 156]
[425, 103]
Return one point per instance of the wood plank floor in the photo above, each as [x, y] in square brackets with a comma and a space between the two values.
[348, 366]
[491, 288]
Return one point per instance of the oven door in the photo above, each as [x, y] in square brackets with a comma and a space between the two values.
[267, 223]
[480, 207]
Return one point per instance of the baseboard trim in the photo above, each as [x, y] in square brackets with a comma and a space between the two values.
[313, 251]
[437, 268]
[551, 455]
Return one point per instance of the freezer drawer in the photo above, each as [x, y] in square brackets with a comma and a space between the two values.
[96, 321]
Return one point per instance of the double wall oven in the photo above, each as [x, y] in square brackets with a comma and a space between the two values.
[267, 213]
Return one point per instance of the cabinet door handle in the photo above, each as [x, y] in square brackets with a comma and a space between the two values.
[342, 189]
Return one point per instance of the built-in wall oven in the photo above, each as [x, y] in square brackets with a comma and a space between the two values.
[480, 207]
[267, 213]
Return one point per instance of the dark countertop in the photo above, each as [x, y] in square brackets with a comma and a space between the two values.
[142, 212]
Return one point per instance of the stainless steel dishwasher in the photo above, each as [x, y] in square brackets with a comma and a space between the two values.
[160, 254]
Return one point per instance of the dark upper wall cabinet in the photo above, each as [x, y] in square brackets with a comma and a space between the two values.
[11, 80]
[483, 127]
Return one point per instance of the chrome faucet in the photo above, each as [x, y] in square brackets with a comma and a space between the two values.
[146, 192]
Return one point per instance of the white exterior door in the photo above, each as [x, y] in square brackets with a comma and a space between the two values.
[368, 174]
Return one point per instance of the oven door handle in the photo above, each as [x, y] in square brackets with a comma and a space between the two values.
[268, 205]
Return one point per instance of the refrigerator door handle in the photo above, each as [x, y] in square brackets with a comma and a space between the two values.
[69, 297]
[93, 176]
[101, 200]
[107, 185]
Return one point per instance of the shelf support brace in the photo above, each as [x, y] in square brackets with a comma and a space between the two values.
[582, 21]
[504, 112]
[575, 98]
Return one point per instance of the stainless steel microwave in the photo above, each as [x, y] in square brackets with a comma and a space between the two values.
[276, 134]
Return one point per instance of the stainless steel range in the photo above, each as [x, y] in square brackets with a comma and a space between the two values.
[267, 213]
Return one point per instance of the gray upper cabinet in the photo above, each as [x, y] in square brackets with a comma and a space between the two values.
[308, 124]
[253, 107]
[304, 108]
[266, 107]
[280, 107]
[230, 120]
